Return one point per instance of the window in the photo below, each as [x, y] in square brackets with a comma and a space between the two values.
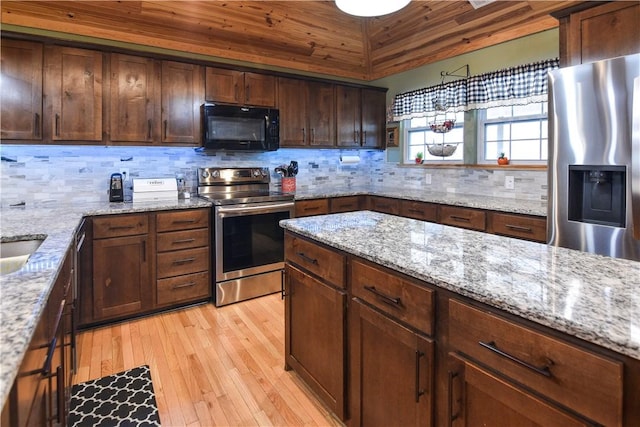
[420, 138]
[519, 131]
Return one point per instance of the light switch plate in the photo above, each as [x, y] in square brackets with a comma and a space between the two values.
[427, 178]
[509, 182]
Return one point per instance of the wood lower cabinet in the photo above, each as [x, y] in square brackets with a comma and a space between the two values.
[419, 210]
[21, 88]
[311, 207]
[521, 226]
[384, 205]
[121, 266]
[391, 371]
[478, 397]
[315, 319]
[567, 376]
[73, 92]
[345, 204]
[183, 259]
[474, 219]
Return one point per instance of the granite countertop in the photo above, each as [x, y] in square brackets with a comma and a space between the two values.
[592, 297]
[23, 294]
[501, 204]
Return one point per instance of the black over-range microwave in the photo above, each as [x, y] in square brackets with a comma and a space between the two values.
[236, 128]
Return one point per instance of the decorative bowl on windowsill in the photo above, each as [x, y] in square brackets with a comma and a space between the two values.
[443, 127]
[442, 150]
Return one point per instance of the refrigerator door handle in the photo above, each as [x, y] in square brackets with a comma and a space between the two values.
[635, 158]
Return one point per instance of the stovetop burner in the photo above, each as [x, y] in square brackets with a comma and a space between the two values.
[228, 186]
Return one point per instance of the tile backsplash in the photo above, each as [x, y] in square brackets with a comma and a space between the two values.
[41, 175]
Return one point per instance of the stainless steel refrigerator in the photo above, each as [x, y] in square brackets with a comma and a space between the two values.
[594, 157]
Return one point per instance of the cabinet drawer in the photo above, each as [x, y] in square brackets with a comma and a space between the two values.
[385, 205]
[312, 207]
[463, 217]
[586, 382]
[394, 295]
[345, 204]
[419, 210]
[525, 227]
[174, 240]
[182, 220]
[190, 287]
[183, 262]
[120, 225]
[322, 262]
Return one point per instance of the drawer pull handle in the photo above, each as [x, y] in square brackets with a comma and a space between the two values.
[307, 258]
[460, 218]
[184, 285]
[385, 298]
[544, 370]
[184, 261]
[184, 221]
[122, 227]
[519, 228]
[312, 208]
[179, 242]
[419, 391]
[451, 416]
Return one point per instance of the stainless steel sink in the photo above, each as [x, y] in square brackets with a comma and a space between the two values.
[13, 255]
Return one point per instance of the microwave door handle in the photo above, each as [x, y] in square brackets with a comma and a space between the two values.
[635, 158]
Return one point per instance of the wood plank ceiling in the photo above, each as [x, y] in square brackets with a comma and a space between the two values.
[310, 36]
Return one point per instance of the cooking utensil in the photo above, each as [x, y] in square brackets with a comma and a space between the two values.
[293, 168]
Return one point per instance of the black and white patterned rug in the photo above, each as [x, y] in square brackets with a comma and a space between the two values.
[123, 399]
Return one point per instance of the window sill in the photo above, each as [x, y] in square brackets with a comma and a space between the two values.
[476, 166]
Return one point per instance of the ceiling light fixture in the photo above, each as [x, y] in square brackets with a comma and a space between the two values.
[368, 8]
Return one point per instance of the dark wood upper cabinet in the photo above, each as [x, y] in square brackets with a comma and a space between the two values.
[360, 116]
[182, 89]
[307, 113]
[21, 87]
[238, 87]
[73, 90]
[133, 99]
[604, 31]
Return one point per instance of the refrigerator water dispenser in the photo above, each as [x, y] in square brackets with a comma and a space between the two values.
[597, 194]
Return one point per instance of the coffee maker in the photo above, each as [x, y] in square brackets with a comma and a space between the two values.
[116, 188]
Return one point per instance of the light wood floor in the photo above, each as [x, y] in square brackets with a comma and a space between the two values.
[210, 366]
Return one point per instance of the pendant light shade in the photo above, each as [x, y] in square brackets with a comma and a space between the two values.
[368, 8]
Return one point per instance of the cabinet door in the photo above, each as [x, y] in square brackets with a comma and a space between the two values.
[294, 129]
[391, 372]
[182, 89]
[373, 118]
[259, 90]
[121, 284]
[477, 397]
[315, 336]
[321, 112]
[618, 20]
[348, 116]
[73, 86]
[384, 205]
[132, 98]
[21, 88]
[226, 86]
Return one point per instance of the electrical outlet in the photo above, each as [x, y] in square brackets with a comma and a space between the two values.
[509, 182]
[427, 178]
[125, 173]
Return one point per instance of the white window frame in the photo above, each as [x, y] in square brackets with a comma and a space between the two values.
[409, 159]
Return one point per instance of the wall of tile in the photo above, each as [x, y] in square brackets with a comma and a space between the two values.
[42, 175]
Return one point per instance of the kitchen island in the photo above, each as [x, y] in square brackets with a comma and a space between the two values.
[566, 312]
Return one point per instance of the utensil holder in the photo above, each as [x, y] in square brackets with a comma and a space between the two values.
[289, 184]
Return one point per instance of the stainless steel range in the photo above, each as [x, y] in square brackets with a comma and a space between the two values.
[249, 243]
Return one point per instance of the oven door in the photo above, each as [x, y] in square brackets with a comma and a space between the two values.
[249, 239]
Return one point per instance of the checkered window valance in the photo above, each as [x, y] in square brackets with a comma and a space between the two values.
[518, 85]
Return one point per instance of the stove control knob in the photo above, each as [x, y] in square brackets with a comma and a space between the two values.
[205, 174]
[215, 174]
[256, 172]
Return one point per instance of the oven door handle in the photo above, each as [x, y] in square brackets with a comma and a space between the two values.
[260, 208]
